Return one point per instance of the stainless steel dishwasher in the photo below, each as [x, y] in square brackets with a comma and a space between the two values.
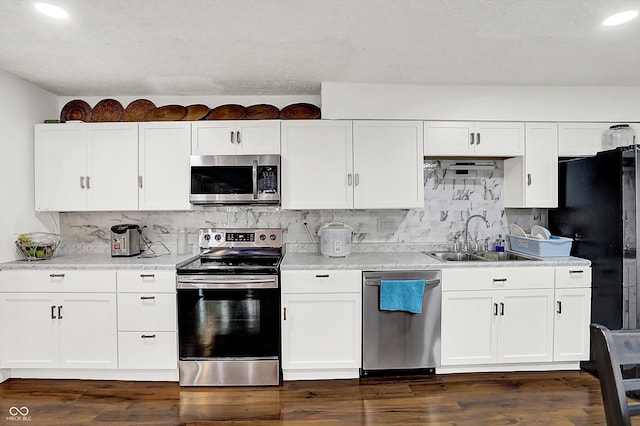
[399, 341]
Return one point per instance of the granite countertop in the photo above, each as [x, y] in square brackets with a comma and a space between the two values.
[366, 261]
[101, 261]
[409, 260]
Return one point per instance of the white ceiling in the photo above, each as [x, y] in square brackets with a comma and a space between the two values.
[288, 47]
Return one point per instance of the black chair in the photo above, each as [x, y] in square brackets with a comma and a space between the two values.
[612, 350]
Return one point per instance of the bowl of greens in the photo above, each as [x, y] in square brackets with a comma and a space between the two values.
[37, 245]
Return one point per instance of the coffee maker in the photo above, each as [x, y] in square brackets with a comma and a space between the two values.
[125, 240]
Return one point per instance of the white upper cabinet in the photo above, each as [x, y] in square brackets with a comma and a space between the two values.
[474, 139]
[387, 164]
[532, 180]
[164, 176]
[343, 165]
[317, 158]
[86, 166]
[580, 139]
[223, 137]
[112, 166]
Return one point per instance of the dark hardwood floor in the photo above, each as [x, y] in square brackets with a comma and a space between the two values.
[549, 398]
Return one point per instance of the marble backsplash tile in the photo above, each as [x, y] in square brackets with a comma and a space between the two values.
[450, 199]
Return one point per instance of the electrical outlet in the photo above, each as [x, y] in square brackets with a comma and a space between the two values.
[386, 224]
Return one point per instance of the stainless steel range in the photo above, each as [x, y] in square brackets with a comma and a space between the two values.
[228, 309]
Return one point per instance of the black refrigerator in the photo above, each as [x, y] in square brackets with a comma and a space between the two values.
[597, 207]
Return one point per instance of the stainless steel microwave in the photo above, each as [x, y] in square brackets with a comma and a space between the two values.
[235, 179]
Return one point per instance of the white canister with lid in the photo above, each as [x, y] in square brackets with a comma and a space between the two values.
[335, 239]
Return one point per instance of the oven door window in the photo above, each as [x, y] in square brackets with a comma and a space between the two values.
[228, 323]
[222, 180]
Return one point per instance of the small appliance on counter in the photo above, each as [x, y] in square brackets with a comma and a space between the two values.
[335, 239]
[125, 240]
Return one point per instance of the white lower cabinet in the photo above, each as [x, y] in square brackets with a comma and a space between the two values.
[497, 316]
[147, 320]
[321, 324]
[106, 324]
[69, 326]
[517, 318]
[502, 326]
[572, 313]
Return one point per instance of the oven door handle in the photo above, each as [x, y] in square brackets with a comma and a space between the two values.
[212, 283]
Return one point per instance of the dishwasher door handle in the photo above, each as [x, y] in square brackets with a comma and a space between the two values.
[427, 283]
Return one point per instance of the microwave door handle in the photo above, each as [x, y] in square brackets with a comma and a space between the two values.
[255, 179]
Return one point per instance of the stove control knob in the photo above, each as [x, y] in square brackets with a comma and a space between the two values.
[272, 237]
[218, 237]
[263, 237]
[207, 237]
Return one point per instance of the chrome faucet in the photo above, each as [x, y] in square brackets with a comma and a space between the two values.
[466, 229]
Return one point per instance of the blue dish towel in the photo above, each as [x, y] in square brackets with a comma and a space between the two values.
[401, 295]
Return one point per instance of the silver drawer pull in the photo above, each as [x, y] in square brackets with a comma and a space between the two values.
[56, 275]
[322, 275]
[576, 272]
[147, 297]
[148, 336]
[147, 275]
[499, 280]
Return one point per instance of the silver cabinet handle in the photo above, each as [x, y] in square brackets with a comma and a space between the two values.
[238, 136]
[495, 309]
[147, 297]
[139, 181]
[478, 139]
[232, 141]
[501, 308]
[147, 275]
[577, 271]
[499, 280]
[559, 307]
[285, 314]
[528, 179]
[322, 275]
[81, 182]
[148, 336]
[56, 275]
[349, 179]
[60, 312]
[53, 311]
[471, 138]
[357, 179]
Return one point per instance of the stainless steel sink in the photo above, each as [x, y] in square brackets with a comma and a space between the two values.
[506, 256]
[452, 256]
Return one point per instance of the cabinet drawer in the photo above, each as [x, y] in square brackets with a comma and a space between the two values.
[497, 278]
[573, 276]
[146, 280]
[146, 311]
[147, 350]
[321, 281]
[57, 280]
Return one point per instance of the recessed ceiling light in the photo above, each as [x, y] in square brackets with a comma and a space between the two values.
[51, 10]
[620, 18]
